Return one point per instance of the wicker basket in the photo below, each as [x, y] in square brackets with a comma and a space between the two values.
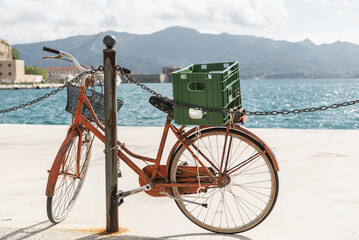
[96, 99]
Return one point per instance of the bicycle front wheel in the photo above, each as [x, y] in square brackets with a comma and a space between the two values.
[71, 176]
[249, 186]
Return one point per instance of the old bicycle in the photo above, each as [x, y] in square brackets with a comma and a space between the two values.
[223, 178]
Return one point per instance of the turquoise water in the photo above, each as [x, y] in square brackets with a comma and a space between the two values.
[257, 95]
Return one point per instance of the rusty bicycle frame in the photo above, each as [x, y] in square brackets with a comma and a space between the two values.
[81, 124]
[207, 182]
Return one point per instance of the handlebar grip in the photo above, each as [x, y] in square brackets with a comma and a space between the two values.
[51, 50]
[126, 70]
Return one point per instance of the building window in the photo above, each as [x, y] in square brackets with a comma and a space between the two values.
[9, 73]
[9, 64]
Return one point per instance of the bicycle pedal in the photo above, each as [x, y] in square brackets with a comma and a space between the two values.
[118, 199]
[119, 203]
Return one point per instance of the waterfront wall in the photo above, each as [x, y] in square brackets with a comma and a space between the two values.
[29, 86]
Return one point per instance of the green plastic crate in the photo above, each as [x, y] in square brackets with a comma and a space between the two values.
[210, 85]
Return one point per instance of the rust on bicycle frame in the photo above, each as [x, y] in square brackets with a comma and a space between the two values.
[80, 119]
[162, 170]
[182, 140]
[238, 128]
[58, 162]
[162, 146]
[224, 153]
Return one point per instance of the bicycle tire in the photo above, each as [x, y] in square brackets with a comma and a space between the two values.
[250, 193]
[68, 185]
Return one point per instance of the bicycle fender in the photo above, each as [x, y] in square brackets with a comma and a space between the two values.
[238, 128]
[266, 147]
[54, 172]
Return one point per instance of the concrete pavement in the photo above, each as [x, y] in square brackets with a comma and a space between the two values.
[318, 193]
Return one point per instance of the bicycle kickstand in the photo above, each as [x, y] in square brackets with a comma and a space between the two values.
[120, 195]
[205, 205]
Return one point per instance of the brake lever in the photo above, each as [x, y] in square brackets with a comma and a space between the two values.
[56, 57]
[128, 81]
[123, 72]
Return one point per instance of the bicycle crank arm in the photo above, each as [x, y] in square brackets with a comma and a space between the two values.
[181, 199]
[120, 195]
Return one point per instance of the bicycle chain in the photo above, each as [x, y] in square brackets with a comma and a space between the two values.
[235, 112]
[76, 79]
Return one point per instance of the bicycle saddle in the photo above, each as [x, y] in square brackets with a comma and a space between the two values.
[162, 104]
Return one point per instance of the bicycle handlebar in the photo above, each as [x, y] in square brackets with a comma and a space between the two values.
[74, 61]
[51, 50]
[68, 55]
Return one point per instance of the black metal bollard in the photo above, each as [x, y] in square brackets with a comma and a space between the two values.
[109, 59]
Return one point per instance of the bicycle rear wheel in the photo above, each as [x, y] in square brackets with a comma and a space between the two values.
[249, 188]
[70, 178]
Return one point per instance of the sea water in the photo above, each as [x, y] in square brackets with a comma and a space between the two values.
[257, 95]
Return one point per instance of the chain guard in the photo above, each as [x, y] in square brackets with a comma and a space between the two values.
[185, 174]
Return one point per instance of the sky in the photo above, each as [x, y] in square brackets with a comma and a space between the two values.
[321, 21]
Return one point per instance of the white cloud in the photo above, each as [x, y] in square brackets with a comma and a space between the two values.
[34, 20]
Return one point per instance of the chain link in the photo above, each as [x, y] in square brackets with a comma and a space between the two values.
[112, 148]
[303, 110]
[235, 112]
[53, 92]
[129, 78]
[47, 95]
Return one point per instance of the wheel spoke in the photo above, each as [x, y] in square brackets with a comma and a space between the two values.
[69, 183]
[245, 194]
[244, 200]
[250, 191]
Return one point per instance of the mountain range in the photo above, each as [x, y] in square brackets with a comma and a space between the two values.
[178, 46]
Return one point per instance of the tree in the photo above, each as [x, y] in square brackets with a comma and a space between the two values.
[15, 53]
[36, 71]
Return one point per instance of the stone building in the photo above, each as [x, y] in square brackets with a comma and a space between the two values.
[11, 70]
[5, 50]
[61, 74]
[166, 76]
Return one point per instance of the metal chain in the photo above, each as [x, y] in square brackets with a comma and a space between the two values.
[235, 112]
[115, 147]
[153, 92]
[76, 79]
[214, 110]
[303, 110]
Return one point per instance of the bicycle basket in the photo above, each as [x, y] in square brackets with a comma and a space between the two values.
[96, 99]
